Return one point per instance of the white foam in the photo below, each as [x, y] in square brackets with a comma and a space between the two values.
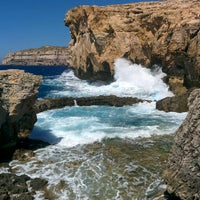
[4, 170]
[140, 80]
[130, 80]
[82, 125]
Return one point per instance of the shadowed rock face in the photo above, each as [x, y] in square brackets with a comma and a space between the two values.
[165, 33]
[17, 97]
[177, 103]
[47, 55]
[183, 173]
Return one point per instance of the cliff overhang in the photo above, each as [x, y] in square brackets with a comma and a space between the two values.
[164, 33]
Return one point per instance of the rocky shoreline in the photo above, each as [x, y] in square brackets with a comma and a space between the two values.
[164, 33]
[19, 104]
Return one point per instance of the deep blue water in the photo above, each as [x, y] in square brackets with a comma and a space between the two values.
[48, 72]
[38, 70]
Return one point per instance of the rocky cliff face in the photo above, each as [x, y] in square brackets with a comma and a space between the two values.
[165, 33]
[47, 55]
[183, 173]
[18, 92]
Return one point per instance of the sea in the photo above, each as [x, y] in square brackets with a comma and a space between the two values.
[101, 152]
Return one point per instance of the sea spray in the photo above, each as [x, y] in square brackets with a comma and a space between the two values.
[75, 103]
[131, 80]
[142, 82]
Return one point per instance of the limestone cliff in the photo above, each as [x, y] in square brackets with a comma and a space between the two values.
[47, 55]
[18, 92]
[183, 173]
[165, 33]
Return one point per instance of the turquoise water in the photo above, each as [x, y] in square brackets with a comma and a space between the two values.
[101, 152]
[82, 125]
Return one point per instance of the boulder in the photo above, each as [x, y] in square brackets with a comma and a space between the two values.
[178, 103]
[183, 172]
[17, 97]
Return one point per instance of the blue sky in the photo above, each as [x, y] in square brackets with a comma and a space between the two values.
[35, 23]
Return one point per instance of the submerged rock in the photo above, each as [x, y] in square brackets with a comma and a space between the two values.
[148, 33]
[183, 173]
[47, 55]
[17, 187]
[17, 97]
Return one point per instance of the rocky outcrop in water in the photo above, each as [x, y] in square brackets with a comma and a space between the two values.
[177, 103]
[18, 92]
[112, 100]
[183, 172]
[165, 33]
[47, 55]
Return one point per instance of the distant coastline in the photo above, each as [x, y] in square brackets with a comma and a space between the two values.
[43, 56]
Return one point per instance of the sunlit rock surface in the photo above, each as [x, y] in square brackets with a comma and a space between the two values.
[183, 173]
[165, 33]
[47, 55]
[18, 92]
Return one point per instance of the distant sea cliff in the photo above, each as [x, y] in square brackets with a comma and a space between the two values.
[46, 55]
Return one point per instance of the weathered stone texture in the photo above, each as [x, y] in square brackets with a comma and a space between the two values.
[178, 103]
[183, 173]
[18, 187]
[165, 33]
[17, 97]
[111, 100]
[47, 55]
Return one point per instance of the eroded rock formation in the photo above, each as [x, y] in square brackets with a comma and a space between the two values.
[18, 92]
[111, 100]
[183, 173]
[177, 103]
[165, 33]
[47, 55]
